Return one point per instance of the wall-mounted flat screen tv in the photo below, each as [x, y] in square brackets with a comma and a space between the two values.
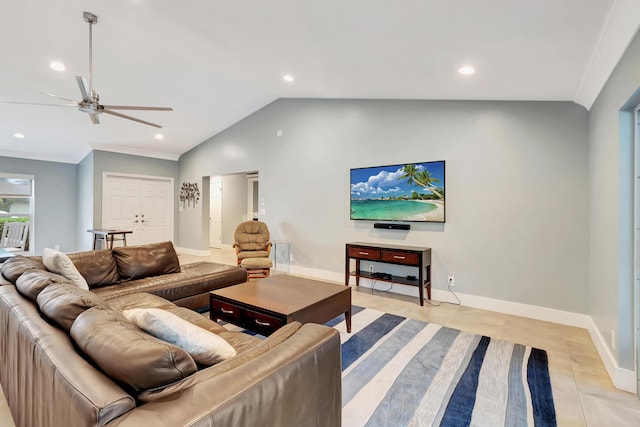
[405, 192]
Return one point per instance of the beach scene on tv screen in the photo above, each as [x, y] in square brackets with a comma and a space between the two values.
[407, 192]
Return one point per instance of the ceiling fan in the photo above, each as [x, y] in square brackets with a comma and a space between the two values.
[90, 99]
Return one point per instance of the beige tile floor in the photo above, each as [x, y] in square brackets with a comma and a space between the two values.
[583, 393]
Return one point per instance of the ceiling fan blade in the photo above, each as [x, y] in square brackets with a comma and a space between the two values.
[124, 116]
[94, 119]
[30, 89]
[130, 107]
[59, 97]
[33, 103]
[84, 88]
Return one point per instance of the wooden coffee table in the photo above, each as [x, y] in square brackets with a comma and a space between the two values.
[264, 305]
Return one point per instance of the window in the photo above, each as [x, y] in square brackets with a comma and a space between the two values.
[16, 200]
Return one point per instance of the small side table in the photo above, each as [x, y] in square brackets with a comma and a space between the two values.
[108, 236]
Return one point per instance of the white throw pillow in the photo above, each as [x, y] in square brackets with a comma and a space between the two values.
[205, 347]
[60, 263]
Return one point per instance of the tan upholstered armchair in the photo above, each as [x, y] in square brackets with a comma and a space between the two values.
[253, 247]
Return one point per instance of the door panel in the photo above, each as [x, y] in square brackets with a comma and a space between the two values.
[138, 204]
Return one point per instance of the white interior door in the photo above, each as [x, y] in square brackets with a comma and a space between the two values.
[120, 203]
[153, 212]
[215, 212]
[252, 196]
[142, 205]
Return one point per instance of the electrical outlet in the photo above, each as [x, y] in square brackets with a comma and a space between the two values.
[451, 281]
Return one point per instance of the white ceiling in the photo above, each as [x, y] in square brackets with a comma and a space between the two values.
[215, 62]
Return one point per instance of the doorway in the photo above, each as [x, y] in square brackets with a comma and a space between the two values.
[215, 212]
[233, 199]
[252, 196]
[636, 246]
[141, 204]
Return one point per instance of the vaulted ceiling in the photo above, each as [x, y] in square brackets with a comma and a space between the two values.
[215, 62]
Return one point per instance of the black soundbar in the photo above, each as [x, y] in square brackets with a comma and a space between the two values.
[391, 226]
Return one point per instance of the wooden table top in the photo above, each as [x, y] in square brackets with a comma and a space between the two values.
[281, 293]
[106, 231]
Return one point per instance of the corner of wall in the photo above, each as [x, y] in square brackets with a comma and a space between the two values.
[623, 379]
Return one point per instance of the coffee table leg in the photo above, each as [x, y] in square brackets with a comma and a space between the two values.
[347, 318]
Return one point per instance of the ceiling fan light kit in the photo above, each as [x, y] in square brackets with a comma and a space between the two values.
[90, 103]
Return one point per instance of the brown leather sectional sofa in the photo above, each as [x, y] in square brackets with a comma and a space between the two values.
[70, 358]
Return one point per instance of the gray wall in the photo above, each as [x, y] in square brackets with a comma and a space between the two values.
[611, 145]
[56, 188]
[85, 202]
[517, 187]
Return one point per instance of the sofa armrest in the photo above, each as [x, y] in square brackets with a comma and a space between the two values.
[297, 383]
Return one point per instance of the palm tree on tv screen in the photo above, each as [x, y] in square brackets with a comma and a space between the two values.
[423, 179]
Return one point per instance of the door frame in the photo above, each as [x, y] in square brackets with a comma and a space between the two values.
[636, 244]
[213, 179]
[170, 204]
[251, 178]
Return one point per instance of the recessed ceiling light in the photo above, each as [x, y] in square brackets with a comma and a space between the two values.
[467, 70]
[159, 136]
[57, 66]
[287, 78]
[18, 135]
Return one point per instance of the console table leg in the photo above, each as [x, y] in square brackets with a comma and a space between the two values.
[347, 318]
[428, 281]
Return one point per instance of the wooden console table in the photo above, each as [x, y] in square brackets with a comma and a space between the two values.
[391, 254]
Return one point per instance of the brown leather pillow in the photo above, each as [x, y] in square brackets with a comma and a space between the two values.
[97, 267]
[128, 354]
[63, 302]
[32, 283]
[15, 266]
[135, 262]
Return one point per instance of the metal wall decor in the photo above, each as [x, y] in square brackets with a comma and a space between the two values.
[189, 193]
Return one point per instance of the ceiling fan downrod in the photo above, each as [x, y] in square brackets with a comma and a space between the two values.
[91, 19]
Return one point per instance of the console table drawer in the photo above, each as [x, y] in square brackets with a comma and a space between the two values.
[262, 323]
[364, 253]
[225, 311]
[400, 257]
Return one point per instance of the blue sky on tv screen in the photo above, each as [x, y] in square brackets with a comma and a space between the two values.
[384, 181]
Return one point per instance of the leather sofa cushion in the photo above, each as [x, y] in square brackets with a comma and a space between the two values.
[30, 284]
[97, 267]
[154, 259]
[15, 266]
[193, 279]
[63, 302]
[260, 348]
[128, 354]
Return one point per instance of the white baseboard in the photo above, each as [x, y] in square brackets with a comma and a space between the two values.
[195, 252]
[623, 379]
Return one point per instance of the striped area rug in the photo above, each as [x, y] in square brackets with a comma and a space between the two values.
[403, 372]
